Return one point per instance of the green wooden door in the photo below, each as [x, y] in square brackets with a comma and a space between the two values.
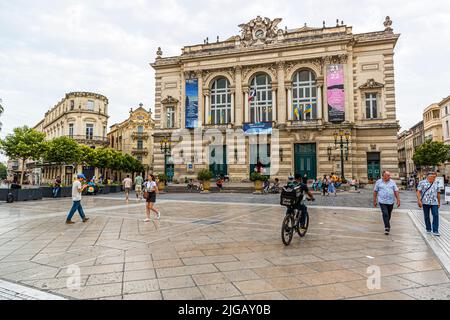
[306, 159]
[218, 163]
[373, 166]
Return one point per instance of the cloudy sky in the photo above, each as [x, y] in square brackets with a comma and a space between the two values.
[50, 47]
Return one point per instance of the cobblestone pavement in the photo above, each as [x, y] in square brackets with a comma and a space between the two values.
[202, 250]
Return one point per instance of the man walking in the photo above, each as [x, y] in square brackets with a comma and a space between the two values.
[127, 184]
[77, 190]
[429, 198]
[138, 181]
[386, 192]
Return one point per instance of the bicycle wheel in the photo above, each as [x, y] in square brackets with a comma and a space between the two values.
[302, 230]
[287, 229]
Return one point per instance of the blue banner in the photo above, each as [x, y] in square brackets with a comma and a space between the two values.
[191, 109]
[257, 128]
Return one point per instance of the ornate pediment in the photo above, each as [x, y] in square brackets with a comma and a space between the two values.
[371, 84]
[260, 31]
[169, 100]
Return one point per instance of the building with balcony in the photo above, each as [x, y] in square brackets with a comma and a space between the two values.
[134, 136]
[299, 85]
[432, 123]
[82, 116]
[402, 139]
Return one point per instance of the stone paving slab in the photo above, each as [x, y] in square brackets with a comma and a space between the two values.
[12, 291]
[117, 256]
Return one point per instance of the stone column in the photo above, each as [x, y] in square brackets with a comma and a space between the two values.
[324, 97]
[289, 98]
[181, 119]
[200, 98]
[207, 108]
[238, 96]
[274, 105]
[319, 102]
[281, 94]
[232, 106]
[246, 106]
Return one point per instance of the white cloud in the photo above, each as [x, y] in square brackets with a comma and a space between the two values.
[49, 47]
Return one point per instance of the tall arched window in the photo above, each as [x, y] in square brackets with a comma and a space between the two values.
[304, 95]
[220, 101]
[261, 99]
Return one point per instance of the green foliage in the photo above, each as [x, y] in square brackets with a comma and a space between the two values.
[24, 144]
[204, 175]
[62, 150]
[162, 177]
[256, 176]
[3, 171]
[431, 153]
[87, 155]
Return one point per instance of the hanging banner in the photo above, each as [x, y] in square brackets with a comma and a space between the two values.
[264, 128]
[335, 93]
[191, 108]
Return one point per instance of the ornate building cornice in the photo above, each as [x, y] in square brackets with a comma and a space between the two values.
[260, 31]
[371, 84]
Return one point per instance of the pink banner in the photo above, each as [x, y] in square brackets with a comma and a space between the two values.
[336, 93]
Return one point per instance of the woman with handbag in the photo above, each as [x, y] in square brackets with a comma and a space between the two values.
[150, 191]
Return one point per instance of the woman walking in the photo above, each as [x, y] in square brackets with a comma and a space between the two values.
[324, 185]
[331, 187]
[151, 189]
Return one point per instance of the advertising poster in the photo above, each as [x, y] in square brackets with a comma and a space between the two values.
[336, 93]
[191, 109]
[264, 128]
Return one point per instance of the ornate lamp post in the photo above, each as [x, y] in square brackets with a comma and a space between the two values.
[342, 144]
[166, 149]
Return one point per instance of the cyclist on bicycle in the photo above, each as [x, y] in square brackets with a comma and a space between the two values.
[304, 188]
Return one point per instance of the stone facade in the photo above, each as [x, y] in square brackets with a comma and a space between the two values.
[82, 116]
[432, 123]
[289, 61]
[134, 136]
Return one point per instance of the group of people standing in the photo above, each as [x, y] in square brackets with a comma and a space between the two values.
[147, 190]
[328, 185]
[386, 194]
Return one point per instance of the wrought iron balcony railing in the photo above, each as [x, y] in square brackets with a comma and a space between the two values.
[139, 151]
[140, 135]
[90, 139]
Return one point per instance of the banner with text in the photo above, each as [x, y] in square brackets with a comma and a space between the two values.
[336, 93]
[191, 109]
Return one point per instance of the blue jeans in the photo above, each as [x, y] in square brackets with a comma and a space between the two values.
[386, 209]
[76, 206]
[56, 191]
[435, 213]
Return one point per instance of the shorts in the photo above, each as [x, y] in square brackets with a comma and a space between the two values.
[138, 188]
[127, 190]
[151, 197]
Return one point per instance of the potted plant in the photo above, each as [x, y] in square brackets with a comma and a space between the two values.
[162, 179]
[258, 179]
[205, 176]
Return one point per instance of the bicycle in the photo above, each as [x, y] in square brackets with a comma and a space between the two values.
[292, 198]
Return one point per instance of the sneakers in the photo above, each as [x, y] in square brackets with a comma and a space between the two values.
[147, 220]
[85, 220]
[429, 231]
[69, 222]
[158, 216]
[387, 231]
[436, 234]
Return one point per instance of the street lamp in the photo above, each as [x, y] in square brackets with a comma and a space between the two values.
[342, 144]
[166, 149]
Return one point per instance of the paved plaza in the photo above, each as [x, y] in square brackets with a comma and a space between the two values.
[217, 247]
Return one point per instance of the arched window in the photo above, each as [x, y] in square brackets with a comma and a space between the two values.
[304, 95]
[220, 102]
[260, 99]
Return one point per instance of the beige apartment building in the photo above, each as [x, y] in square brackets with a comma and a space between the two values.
[82, 116]
[134, 136]
[432, 123]
[408, 142]
[444, 105]
[307, 83]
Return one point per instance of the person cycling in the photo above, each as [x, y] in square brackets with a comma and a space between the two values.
[304, 188]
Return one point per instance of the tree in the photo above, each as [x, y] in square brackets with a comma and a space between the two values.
[431, 153]
[87, 156]
[62, 150]
[3, 171]
[25, 143]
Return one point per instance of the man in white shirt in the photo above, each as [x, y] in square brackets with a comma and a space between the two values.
[127, 185]
[77, 190]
